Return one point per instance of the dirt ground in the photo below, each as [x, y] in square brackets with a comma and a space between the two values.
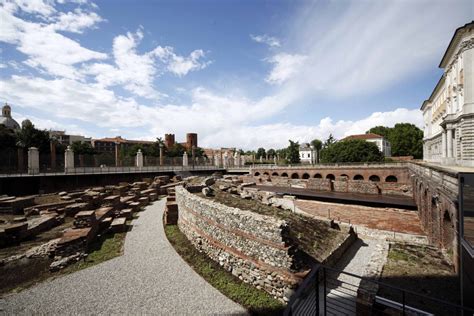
[389, 219]
[424, 270]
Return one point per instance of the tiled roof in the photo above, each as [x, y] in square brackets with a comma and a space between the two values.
[363, 136]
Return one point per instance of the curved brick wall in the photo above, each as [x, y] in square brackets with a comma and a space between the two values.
[250, 245]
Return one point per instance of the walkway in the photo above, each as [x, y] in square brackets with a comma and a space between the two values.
[376, 200]
[150, 278]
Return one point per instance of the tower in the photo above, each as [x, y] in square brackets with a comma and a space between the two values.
[169, 140]
[191, 140]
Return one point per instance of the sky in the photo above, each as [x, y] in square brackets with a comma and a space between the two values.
[243, 74]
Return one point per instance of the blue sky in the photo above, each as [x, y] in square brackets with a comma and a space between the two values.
[239, 73]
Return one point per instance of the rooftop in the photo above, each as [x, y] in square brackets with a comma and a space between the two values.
[364, 136]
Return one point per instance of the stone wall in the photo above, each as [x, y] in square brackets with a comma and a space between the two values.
[251, 246]
[341, 184]
[436, 194]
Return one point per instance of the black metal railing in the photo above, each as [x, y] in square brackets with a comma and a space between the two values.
[328, 291]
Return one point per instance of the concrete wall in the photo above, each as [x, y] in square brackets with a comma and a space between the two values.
[251, 246]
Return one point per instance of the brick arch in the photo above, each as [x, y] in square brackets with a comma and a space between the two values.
[305, 176]
[374, 178]
[391, 178]
[266, 174]
[284, 174]
[447, 230]
[295, 175]
[317, 176]
[330, 176]
[275, 174]
[358, 177]
[256, 174]
[345, 175]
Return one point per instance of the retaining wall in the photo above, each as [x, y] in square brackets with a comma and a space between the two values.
[251, 246]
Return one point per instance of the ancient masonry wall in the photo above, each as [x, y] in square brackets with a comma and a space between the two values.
[436, 193]
[339, 185]
[249, 245]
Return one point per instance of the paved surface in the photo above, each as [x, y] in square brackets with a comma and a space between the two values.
[388, 219]
[377, 200]
[150, 278]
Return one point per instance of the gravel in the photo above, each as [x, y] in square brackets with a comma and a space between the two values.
[150, 278]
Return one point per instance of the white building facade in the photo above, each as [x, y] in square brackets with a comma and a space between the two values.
[306, 154]
[449, 112]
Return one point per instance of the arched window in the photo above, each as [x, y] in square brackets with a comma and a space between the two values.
[374, 178]
[318, 176]
[275, 174]
[358, 177]
[305, 176]
[391, 179]
[266, 174]
[257, 174]
[295, 176]
[344, 176]
[330, 177]
[284, 174]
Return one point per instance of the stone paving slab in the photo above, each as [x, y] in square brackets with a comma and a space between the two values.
[150, 278]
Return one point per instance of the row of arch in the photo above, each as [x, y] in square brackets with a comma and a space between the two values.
[330, 176]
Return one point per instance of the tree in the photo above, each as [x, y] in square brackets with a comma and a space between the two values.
[318, 145]
[293, 152]
[353, 150]
[29, 136]
[405, 139]
[177, 150]
[331, 140]
[81, 148]
[7, 137]
[380, 130]
[271, 153]
[260, 153]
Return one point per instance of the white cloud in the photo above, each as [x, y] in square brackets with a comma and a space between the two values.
[46, 50]
[76, 21]
[265, 39]
[180, 65]
[285, 66]
[365, 47]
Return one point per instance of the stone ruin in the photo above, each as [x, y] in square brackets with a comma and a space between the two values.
[94, 212]
[258, 249]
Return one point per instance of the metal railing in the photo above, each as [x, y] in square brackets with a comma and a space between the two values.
[331, 165]
[328, 291]
[107, 170]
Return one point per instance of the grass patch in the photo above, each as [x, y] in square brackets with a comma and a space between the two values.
[257, 302]
[106, 247]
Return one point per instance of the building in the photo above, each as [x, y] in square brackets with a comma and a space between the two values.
[306, 154]
[67, 139]
[7, 119]
[107, 145]
[449, 111]
[383, 144]
[169, 140]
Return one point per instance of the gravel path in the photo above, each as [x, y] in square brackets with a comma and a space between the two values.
[150, 278]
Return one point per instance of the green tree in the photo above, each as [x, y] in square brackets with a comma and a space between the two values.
[177, 150]
[29, 136]
[260, 153]
[83, 148]
[331, 140]
[293, 152]
[353, 150]
[271, 153]
[405, 139]
[7, 138]
[318, 145]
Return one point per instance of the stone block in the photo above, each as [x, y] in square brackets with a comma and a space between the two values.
[127, 213]
[85, 219]
[118, 225]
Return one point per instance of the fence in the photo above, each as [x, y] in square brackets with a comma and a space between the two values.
[328, 291]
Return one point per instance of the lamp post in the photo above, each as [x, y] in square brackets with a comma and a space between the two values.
[193, 149]
[161, 154]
